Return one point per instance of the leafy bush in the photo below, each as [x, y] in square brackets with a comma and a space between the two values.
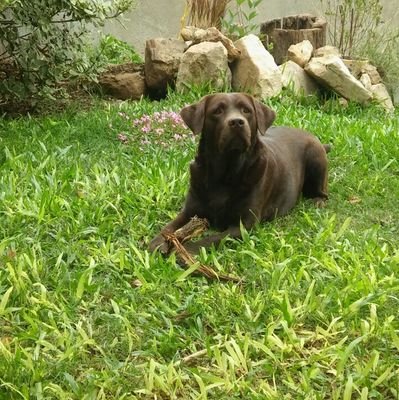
[239, 22]
[356, 28]
[351, 22]
[115, 51]
[44, 42]
[382, 49]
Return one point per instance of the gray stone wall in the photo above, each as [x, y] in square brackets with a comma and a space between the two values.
[161, 18]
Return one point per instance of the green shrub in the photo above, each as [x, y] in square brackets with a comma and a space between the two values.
[240, 21]
[45, 42]
[115, 51]
[356, 28]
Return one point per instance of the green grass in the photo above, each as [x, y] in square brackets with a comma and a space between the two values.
[87, 313]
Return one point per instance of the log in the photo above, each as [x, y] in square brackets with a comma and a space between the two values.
[279, 34]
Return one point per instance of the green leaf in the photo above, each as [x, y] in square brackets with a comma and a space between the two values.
[4, 300]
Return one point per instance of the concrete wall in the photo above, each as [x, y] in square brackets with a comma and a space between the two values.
[161, 18]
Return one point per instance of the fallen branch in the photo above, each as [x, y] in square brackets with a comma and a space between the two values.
[195, 227]
[198, 35]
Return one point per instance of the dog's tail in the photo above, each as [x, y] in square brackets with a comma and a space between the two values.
[327, 147]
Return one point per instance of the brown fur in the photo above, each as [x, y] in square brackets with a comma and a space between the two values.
[244, 170]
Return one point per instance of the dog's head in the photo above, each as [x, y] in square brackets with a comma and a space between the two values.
[228, 121]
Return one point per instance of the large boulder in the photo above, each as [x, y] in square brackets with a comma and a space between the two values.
[373, 73]
[162, 60]
[366, 81]
[124, 81]
[381, 96]
[327, 51]
[204, 63]
[361, 67]
[196, 35]
[295, 77]
[379, 91]
[333, 73]
[300, 53]
[255, 71]
[355, 66]
[395, 95]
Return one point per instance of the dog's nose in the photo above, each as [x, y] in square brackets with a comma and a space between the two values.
[236, 122]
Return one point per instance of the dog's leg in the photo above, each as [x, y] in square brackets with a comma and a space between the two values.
[215, 239]
[315, 182]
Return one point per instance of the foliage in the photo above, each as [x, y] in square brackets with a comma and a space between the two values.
[240, 22]
[355, 27]
[115, 51]
[235, 22]
[45, 42]
[382, 49]
[351, 22]
[87, 313]
[204, 13]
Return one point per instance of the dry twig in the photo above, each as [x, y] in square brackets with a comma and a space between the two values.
[192, 229]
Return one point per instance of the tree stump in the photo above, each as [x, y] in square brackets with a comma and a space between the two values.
[281, 33]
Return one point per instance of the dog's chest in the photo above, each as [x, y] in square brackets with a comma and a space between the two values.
[223, 205]
[222, 193]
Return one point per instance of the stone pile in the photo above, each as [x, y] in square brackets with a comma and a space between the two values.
[208, 57]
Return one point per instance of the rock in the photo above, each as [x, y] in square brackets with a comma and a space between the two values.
[281, 33]
[355, 66]
[197, 35]
[295, 77]
[300, 53]
[381, 96]
[395, 95]
[360, 67]
[255, 71]
[204, 63]
[373, 73]
[333, 73]
[162, 60]
[327, 51]
[366, 81]
[122, 82]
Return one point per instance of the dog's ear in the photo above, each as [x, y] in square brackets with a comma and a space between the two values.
[194, 116]
[265, 116]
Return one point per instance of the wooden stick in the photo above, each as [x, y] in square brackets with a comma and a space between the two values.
[192, 229]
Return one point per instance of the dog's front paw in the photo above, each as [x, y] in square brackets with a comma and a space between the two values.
[159, 244]
[192, 247]
[320, 202]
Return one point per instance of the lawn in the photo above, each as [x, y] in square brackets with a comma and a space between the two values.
[87, 313]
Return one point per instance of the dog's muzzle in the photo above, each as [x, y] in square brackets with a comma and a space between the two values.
[236, 135]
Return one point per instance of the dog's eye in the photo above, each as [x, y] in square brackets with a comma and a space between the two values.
[218, 110]
[246, 110]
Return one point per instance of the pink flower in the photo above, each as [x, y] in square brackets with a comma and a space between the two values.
[145, 129]
[123, 138]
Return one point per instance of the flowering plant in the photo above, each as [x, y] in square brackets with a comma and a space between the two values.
[160, 128]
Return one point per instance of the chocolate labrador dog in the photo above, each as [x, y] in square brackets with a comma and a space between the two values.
[245, 170]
